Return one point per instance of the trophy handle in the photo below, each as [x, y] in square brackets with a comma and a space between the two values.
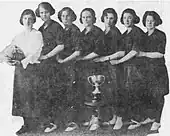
[102, 76]
[90, 80]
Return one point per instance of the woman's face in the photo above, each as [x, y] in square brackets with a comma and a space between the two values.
[66, 18]
[28, 21]
[150, 22]
[44, 14]
[128, 20]
[109, 19]
[87, 18]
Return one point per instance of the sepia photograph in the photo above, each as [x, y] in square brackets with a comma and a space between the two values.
[84, 68]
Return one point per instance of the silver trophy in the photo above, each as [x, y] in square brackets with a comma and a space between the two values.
[96, 81]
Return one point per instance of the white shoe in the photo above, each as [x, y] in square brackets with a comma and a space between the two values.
[118, 124]
[155, 126]
[113, 120]
[50, 128]
[148, 120]
[94, 127]
[92, 120]
[110, 122]
[71, 127]
[94, 123]
[86, 123]
[133, 126]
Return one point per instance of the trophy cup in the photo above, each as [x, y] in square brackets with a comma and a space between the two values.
[96, 81]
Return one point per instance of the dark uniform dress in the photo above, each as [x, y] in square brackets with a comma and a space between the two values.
[52, 94]
[71, 38]
[157, 76]
[134, 81]
[112, 45]
[93, 41]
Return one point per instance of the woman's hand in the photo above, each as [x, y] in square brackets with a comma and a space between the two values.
[141, 54]
[114, 62]
[101, 59]
[14, 62]
[60, 61]
[43, 57]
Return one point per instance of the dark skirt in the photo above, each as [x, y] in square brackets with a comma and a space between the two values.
[26, 100]
[56, 86]
[67, 81]
[134, 87]
[134, 79]
[158, 81]
[157, 88]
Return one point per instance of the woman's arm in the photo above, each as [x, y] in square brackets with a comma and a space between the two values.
[110, 57]
[55, 51]
[71, 57]
[151, 54]
[117, 55]
[90, 56]
[127, 57]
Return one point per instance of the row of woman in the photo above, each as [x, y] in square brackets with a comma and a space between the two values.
[50, 83]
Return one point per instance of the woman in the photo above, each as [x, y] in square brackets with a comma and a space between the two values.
[26, 80]
[134, 82]
[92, 44]
[67, 64]
[52, 92]
[157, 79]
[113, 50]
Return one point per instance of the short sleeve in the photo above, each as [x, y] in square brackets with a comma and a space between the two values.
[162, 43]
[136, 42]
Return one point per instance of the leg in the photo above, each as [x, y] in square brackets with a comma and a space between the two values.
[25, 128]
[75, 101]
[121, 108]
[158, 106]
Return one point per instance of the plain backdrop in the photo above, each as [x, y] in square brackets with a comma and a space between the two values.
[10, 12]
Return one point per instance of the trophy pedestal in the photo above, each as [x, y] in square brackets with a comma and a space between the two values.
[94, 123]
[95, 105]
[96, 100]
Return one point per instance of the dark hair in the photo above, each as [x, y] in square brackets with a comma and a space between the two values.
[27, 12]
[156, 17]
[136, 19]
[109, 10]
[70, 11]
[92, 13]
[46, 6]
